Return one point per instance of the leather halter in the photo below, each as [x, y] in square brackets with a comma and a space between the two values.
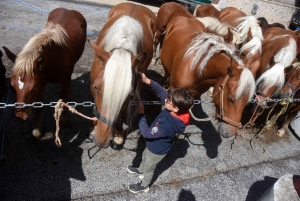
[103, 118]
[292, 88]
[221, 115]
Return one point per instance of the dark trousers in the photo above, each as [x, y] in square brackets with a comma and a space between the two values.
[148, 165]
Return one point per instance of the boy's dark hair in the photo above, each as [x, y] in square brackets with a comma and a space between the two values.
[181, 98]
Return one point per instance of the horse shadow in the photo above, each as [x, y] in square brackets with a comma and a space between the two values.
[186, 195]
[41, 164]
[259, 188]
[210, 136]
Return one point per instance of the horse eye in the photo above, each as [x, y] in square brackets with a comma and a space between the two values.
[95, 87]
[230, 98]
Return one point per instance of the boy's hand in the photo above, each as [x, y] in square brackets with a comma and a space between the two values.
[139, 108]
[144, 78]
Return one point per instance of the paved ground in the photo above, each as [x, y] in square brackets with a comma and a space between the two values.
[202, 166]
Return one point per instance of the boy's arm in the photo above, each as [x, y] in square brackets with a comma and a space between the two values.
[157, 131]
[160, 92]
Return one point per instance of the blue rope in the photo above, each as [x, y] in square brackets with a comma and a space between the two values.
[4, 121]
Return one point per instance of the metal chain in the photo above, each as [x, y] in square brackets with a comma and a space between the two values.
[90, 104]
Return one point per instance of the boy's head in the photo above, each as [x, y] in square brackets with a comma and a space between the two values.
[180, 98]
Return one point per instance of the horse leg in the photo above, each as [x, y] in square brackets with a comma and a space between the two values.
[37, 121]
[157, 40]
[291, 116]
[118, 141]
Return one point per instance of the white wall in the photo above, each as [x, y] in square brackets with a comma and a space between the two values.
[272, 11]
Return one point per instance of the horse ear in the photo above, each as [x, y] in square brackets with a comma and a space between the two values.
[138, 60]
[101, 54]
[9, 54]
[38, 63]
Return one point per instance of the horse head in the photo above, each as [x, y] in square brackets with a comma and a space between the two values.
[28, 83]
[231, 94]
[292, 81]
[113, 83]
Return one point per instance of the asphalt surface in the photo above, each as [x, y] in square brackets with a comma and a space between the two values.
[201, 166]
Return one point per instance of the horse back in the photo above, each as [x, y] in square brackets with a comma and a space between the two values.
[169, 11]
[230, 14]
[179, 34]
[277, 31]
[144, 16]
[206, 10]
[140, 13]
[75, 26]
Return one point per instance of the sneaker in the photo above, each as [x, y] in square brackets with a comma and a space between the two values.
[134, 170]
[138, 188]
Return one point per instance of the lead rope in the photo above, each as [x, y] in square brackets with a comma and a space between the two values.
[197, 119]
[57, 113]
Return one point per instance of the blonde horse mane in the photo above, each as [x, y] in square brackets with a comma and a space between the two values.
[220, 28]
[215, 25]
[25, 59]
[255, 44]
[125, 36]
[275, 76]
[206, 45]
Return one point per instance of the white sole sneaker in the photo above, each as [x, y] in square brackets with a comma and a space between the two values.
[145, 191]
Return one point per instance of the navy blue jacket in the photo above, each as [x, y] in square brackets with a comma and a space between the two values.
[159, 136]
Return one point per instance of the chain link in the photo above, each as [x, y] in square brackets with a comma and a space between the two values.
[90, 104]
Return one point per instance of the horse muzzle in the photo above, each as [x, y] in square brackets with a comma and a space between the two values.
[226, 130]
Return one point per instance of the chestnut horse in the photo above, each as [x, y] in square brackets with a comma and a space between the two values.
[196, 60]
[291, 90]
[165, 13]
[124, 47]
[48, 57]
[279, 50]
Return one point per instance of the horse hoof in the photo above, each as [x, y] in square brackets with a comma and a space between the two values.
[117, 147]
[280, 134]
[35, 138]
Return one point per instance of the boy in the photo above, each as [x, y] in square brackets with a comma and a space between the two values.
[159, 136]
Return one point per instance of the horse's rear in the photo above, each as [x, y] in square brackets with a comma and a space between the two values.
[124, 46]
[200, 60]
[49, 57]
[206, 10]
[167, 12]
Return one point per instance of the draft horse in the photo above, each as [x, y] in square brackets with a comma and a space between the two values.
[165, 13]
[124, 47]
[48, 57]
[201, 60]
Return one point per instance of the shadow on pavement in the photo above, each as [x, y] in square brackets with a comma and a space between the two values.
[39, 170]
[186, 195]
[210, 136]
[258, 188]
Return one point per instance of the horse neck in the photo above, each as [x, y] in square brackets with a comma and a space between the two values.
[216, 66]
